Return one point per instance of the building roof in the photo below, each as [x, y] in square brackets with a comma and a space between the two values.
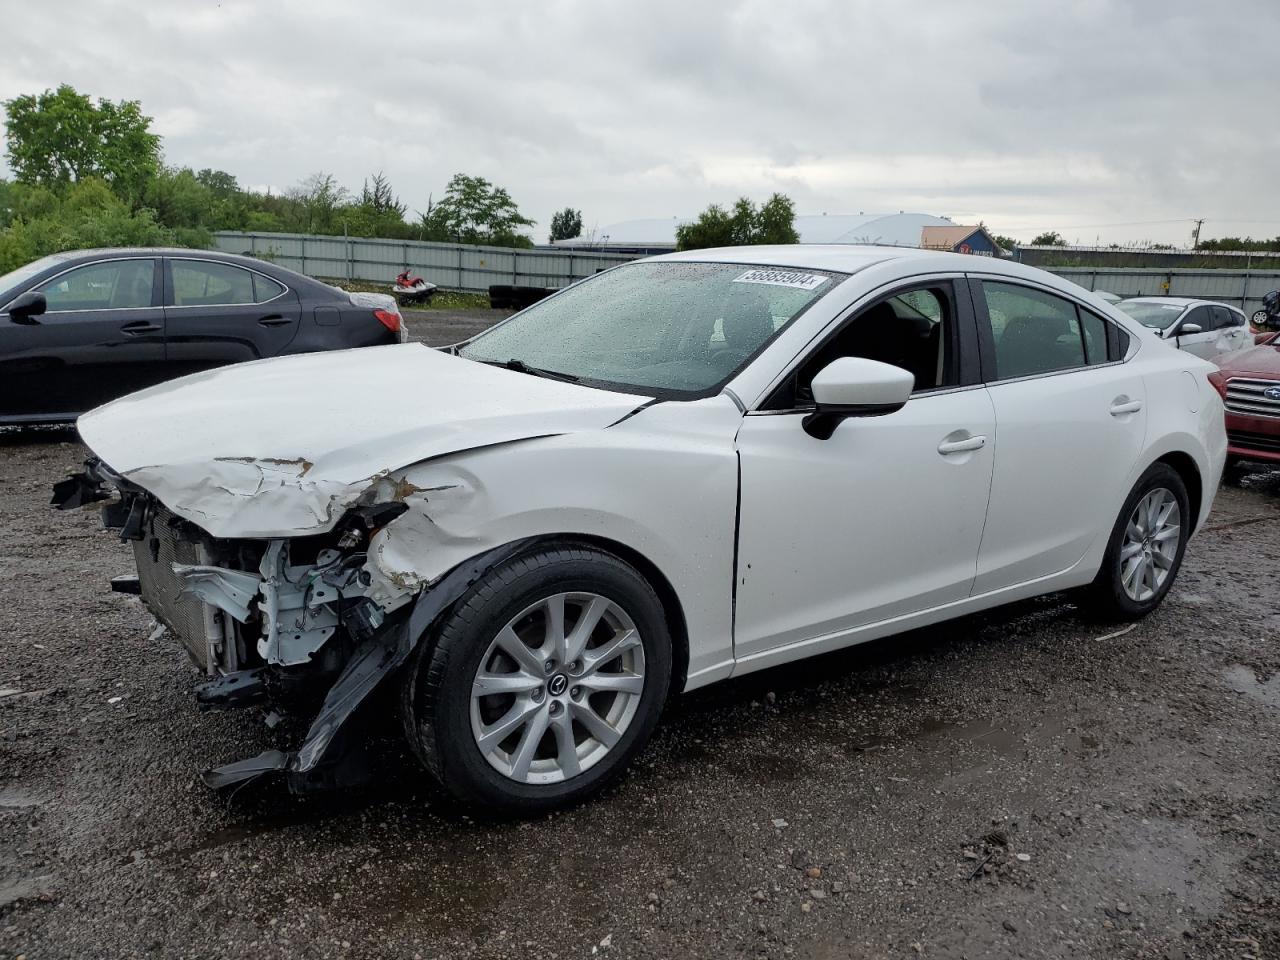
[890, 229]
[946, 238]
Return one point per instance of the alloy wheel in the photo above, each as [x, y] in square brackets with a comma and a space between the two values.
[1150, 547]
[557, 688]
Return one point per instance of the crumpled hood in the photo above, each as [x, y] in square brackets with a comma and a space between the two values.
[282, 447]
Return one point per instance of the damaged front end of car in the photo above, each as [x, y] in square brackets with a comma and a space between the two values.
[286, 623]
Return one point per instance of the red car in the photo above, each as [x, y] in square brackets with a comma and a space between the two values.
[1249, 381]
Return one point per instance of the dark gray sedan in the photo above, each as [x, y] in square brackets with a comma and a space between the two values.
[80, 328]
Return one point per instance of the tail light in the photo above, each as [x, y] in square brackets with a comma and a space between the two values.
[1218, 380]
[389, 319]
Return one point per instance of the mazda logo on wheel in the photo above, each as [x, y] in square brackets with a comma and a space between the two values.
[557, 685]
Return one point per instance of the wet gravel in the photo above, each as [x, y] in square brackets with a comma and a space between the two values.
[1012, 784]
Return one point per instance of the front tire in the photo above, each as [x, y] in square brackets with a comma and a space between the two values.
[542, 682]
[1146, 547]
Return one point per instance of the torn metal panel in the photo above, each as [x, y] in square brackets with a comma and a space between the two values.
[377, 658]
[229, 590]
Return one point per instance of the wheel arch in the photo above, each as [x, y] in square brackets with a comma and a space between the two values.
[1186, 468]
[672, 608]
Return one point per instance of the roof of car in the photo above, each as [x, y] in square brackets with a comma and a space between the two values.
[95, 253]
[1173, 301]
[841, 257]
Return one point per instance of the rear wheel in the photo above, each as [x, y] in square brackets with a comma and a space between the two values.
[1146, 547]
[541, 682]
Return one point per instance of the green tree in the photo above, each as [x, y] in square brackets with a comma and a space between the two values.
[1007, 243]
[377, 213]
[772, 222]
[316, 201]
[220, 183]
[776, 221]
[1051, 239]
[566, 224]
[1240, 244]
[475, 211]
[88, 213]
[61, 137]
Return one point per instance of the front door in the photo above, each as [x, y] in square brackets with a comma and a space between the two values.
[882, 519]
[1204, 343]
[101, 338]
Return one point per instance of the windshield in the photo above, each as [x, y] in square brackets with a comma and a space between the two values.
[666, 329]
[1152, 314]
[16, 278]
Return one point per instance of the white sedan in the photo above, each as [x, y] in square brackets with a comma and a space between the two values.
[1203, 327]
[684, 469]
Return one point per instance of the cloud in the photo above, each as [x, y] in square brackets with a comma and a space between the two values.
[1029, 116]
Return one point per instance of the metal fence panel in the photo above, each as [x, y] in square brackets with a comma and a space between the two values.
[454, 266]
[1240, 288]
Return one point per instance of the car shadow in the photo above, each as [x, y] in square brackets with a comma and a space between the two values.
[687, 728]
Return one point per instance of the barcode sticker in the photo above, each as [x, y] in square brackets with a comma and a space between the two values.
[783, 278]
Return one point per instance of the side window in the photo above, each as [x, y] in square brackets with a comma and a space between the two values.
[199, 283]
[1034, 332]
[1201, 317]
[913, 329]
[1224, 318]
[119, 284]
[1095, 336]
[264, 289]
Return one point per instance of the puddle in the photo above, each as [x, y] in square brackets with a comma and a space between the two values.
[980, 732]
[1243, 680]
[14, 798]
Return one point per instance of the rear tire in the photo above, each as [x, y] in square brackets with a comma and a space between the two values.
[573, 642]
[1141, 564]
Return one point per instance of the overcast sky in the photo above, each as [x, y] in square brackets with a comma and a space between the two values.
[1092, 118]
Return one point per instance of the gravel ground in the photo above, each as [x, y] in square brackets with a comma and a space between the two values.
[1013, 784]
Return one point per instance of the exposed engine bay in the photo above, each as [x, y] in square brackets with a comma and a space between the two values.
[282, 623]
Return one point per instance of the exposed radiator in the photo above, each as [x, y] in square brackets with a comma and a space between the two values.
[198, 626]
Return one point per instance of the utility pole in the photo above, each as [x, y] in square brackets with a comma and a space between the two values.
[1195, 234]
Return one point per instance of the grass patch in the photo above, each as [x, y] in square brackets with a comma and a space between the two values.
[442, 300]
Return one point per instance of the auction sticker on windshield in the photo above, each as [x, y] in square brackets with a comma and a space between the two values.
[783, 278]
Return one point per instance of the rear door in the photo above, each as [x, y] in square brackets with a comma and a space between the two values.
[218, 313]
[1071, 421]
[101, 337]
[1232, 330]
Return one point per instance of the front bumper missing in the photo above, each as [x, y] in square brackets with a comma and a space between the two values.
[379, 643]
[328, 757]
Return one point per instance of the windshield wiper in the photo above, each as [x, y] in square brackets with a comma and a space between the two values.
[519, 366]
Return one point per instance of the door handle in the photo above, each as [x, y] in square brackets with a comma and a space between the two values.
[1122, 405]
[140, 326]
[968, 444]
[275, 320]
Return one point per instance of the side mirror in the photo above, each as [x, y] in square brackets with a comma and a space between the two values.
[855, 387]
[27, 307]
[1187, 329]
